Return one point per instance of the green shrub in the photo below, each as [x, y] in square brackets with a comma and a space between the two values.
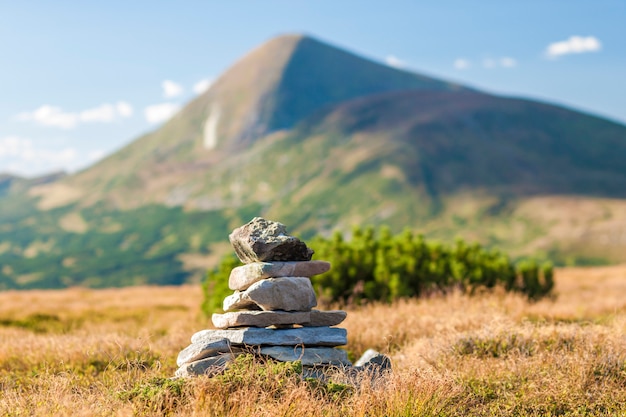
[383, 267]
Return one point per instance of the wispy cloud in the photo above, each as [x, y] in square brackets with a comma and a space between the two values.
[573, 45]
[95, 155]
[171, 89]
[54, 116]
[47, 115]
[158, 113]
[394, 61]
[105, 113]
[202, 85]
[508, 62]
[20, 155]
[461, 64]
[503, 62]
[487, 63]
[124, 109]
[14, 146]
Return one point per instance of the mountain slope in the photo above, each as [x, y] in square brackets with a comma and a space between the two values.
[321, 139]
[270, 89]
[466, 140]
[318, 75]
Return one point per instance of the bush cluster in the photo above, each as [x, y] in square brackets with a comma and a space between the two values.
[383, 267]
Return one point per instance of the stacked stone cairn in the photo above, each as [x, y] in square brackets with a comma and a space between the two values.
[271, 311]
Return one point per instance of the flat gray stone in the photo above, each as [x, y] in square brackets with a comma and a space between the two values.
[255, 336]
[197, 351]
[325, 318]
[238, 301]
[372, 359]
[288, 294]
[209, 366]
[259, 318]
[349, 375]
[242, 277]
[265, 240]
[309, 356]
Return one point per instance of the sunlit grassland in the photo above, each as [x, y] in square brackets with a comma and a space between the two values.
[110, 352]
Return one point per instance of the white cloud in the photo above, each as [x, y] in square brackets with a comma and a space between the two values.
[106, 113]
[14, 146]
[53, 116]
[47, 115]
[62, 157]
[502, 62]
[488, 63]
[202, 85]
[158, 113]
[394, 61]
[103, 113]
[573, 45]
[95, 155]
[21, 156]
[124, 109]
[171, 89]
[461, 64]
[508, 62]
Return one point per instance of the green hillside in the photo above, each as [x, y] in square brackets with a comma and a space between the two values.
[321, 139]
[466, 140]
[271, 89]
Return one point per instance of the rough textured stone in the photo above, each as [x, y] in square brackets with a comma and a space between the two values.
[244, 276]
[288, 294]
[325, 318]
[259, 318]
[349, 375]
[308, 356]
[238, 301]
[373, 359]
[209, 366]
[314, 318]
[254, 336]
[265, 240]
[197, 351]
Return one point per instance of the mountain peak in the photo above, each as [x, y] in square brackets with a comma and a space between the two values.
[273, 88]
[285, 39]
[290, 77]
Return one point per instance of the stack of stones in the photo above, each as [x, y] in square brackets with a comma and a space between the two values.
[271, 311]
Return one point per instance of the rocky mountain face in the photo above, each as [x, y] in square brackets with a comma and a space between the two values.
[319, 138]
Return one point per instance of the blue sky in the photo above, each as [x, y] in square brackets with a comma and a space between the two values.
[79, 80]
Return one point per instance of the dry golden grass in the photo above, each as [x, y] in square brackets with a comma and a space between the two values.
[110, 352]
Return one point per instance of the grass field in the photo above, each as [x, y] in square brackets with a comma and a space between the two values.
[109, 352]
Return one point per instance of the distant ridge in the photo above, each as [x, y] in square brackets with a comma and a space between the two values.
[14, 183]
[467, 139]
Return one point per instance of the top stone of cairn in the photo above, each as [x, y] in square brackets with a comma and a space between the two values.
[263, 240]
